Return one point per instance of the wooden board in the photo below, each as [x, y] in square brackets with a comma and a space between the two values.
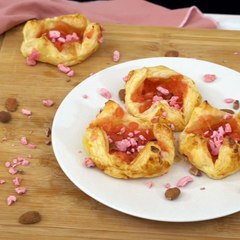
[68, 213]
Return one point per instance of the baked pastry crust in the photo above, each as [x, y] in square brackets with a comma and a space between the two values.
[143, 82]
[36, 37]
[154, 159]
[194, 142]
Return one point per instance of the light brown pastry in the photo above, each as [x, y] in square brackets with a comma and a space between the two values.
[123, 146]
[161, 94]
[82, 38]
[211, 140]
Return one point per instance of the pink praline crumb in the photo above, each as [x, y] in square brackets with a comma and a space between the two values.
[149, 184]
[63, 68]
[26, 112]
[2, 181]
[116, 56]
[31, 146]
[23, 140]
[11, 199]
[184, 181]
[228, 100]
[47, 102]
[7, 164]
[20, 190]
[88, 162]
[209, 78]
[167, 185]
[12, 170]
[85, 96]
[17, 181]
[71, 73]
[33, 58]
[105, 93]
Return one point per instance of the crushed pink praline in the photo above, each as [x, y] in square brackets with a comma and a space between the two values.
[88, 162]
[11, 199]
[47, 102]
[105, 93]
[184, 181]
[209, 78]
[26, 112]
[116, 56]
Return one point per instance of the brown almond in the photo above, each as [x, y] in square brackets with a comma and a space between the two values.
[5, 117]
[48, 132]
[172, 193]
[11, 104]
[154, 149]
[236, 105]
[30, 217]
[121, 95]
[172, 53]
[195, 172]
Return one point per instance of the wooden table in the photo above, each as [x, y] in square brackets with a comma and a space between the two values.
[67, 212]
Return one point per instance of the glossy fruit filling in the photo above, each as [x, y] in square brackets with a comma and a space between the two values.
[154, 90]
[63, 33]
[216, 133]
[126, 139]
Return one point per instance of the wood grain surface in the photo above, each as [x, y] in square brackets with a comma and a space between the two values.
[67, 212]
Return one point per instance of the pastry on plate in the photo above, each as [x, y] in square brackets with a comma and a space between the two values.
[211, 141]
[159, 94]
[123, 146]
[67, 40]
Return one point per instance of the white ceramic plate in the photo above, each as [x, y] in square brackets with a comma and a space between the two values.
[220, 197]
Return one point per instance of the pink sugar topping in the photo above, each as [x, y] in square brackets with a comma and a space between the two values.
[216, 138]
[33, 58]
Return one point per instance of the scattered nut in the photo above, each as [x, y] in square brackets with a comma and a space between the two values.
[30, 217]
[5, 117]
[11, 104]
[195, 172]
[121, 95]
[172, 193]
[236, 105]
[154, 149]
[48, 142]
[228, 111]
[172, 53]
[48, 132]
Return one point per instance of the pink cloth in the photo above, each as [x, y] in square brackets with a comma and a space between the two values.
[135, 12]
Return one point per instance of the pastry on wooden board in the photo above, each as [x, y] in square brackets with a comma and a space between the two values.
[160, 94]
[123, 146]
[211, 141]
[67, 40]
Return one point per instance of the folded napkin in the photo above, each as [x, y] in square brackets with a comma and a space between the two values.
[135, 12]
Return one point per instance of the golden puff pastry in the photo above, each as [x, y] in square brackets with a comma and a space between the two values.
[123, 146]
[67, 40]
[159, 94]
[211, 140]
